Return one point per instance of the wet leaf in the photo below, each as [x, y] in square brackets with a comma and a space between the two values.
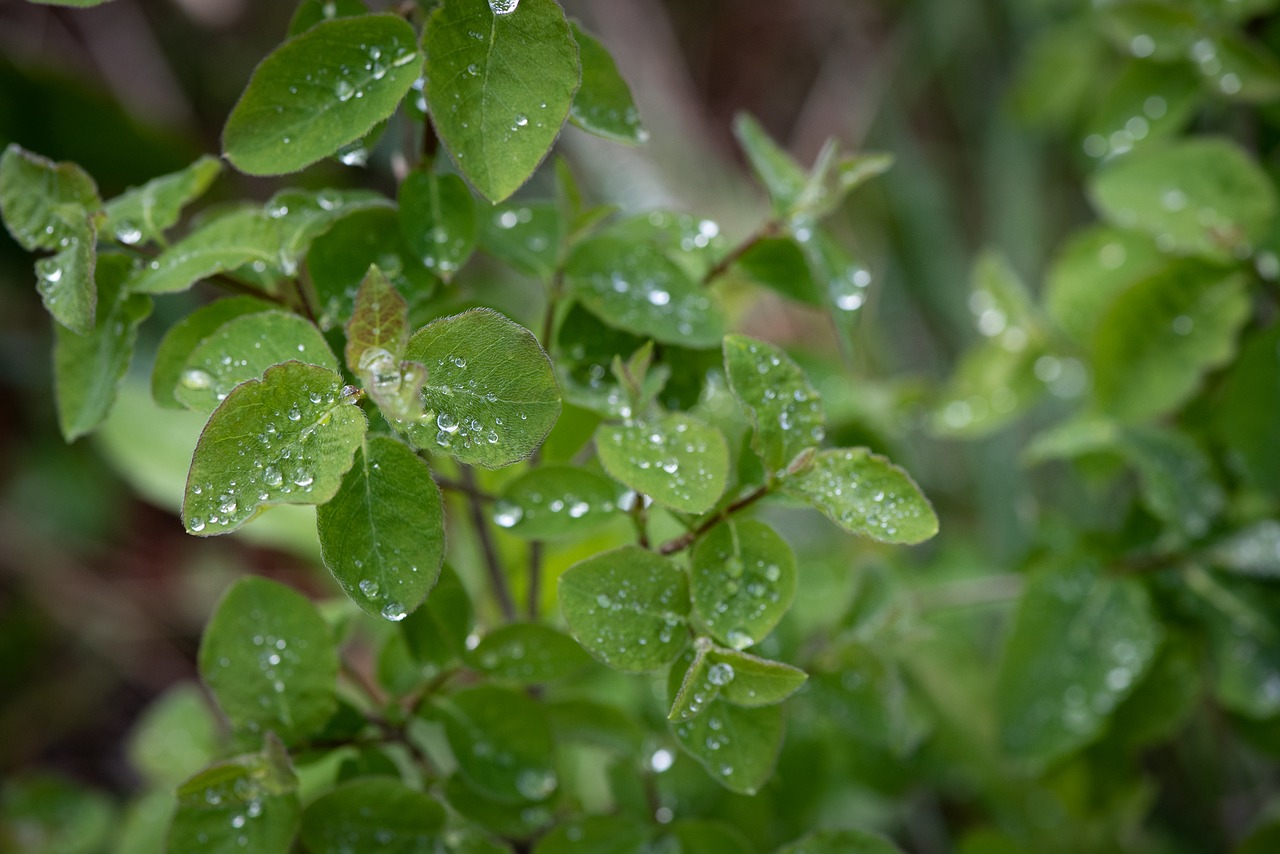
[528, 653]
[143, 214]
[785, 410]
[185, 335]
[554, 501]
[676, 459]
[372, 814]
[240, 237]
[526, 236]
[603, 104]
[743, 578]
[438, 220]
[502, 742]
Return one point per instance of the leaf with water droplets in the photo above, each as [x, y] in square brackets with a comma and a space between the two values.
[242, 349]
[502, 742]
[435, 634]
[1247, 412]
[603, 104]
[372, 814]
[1080, 641]
[526, 236]
[840, 842]
[554, 501]
[320, 90]
[509, 820]
[1204, 196]
[438, 220]
[287, 438]
[270, 661]
[304, 215]
[867, 698]
[585, 348]
[490, 393]
[1162, 335]
[598, 834]
[1251, 551]
[739, 678]
[528, 654]
[312, 12]
[243, 236]
[743, 578]
[676, 459]
[1239, 616]
[143, 214]
[87, 369]
[247, 803]
[382, 535]
[779, 264]
[175, 737]
[1090, 269]
[785, 410]
[866, 494]
[501, 84]
[781, 176]
[185, 335]
[627, 607]
[737, 746]
[1176, 478]
[1146, 103]
[378, 330]
[635, 287]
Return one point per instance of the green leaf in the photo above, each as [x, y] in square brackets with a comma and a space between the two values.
[1247, 415]
[1080, 641]
[1240, 619]
[780, 175]
[304, 215]
[785, 410]
[778, 263]
[992, 386]
[502, 742]
[840, 842]
[1238, 68]
[585, 349]
[248, 803]
[627, 607]
[339, 260]
[285, 439]
[692, 243]
[737, 746]
[87, 369]
[242, 349]
[382, 535]
[1090, 269]
[270, 661]
[1198, 197]
[185, 335]
[528, 653]
[241, 237]
[55, 207]
[372, 814]
[509, 820]
[502, 80]
[319, 91]
[1159, 338]
[603, 104]
[743, 578]
[311, 12]
[1145, 104]
[526, 236]
[596, 834]
[843, 280]
[696, 835]
[436, 633]
[490, 394]
[555, 501]
[45, 814]
[635, 287]
[175, 737]
[1177, 478]
[869, 700]
[739, 678]
[599, 724]
[1163, 31]
[677, 460]
[866, 494]
[1251, 551]
[438, 220]
[143, 214]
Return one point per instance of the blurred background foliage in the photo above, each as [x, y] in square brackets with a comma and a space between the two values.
[998, 113]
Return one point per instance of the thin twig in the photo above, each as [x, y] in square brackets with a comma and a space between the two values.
[464, 488]
[769, 229]
[687, 539]
[480, 521]
[362, 681]
[640, 517]
[532, 606]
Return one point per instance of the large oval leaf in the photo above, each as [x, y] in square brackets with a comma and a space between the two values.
[185, 335]
[603, 105]
[372, 814]
[502, 742]
[249, 803]
[552, 501]
[677, 460]
[784, 408]
[743, 581]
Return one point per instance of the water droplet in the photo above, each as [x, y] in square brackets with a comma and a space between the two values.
[344, 90]
[369, 587]
[503, 7]
[394, 612]
[720, 673]
[506, 514]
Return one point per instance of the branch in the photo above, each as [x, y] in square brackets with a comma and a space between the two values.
[688, 538]
[479, 521]
[769, 229]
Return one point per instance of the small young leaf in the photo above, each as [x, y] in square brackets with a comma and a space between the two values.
[491, 395]
[743, 578]
[840, 842]
[378, 330]
[270, 661]
[185, 335]
[372, 814]
[552, 501]
[242, 349]
[319, 91]
[528, 653]
[1079, 643]
[87, 369]
[285, 439]
[175, 737]
[635, 287]
[751, 681]
[501, 83]
[526, 236]
[241, 237]
[502, 742]
[780, 175]
[246, 803]
[677, 460]
[382, 535]
[143, 214]
[1159, 338]
[1090, 270]
[866, 494]
[627, 608]
[603, 104]
[438, 220]
[1197, 197]
[784, 408]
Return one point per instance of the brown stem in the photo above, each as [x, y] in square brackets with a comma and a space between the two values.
[480, 521]
[640, 517]
[363, 682]
[688, 538]
[535, 580]
[769, 229]
[463, 488]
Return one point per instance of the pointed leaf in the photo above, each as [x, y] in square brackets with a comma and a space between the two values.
[372, 814]
[270, 661]
[319, 91]
[501, 83]
[87, 369]
[285, 439]
[187, 334]
[247, 803]
[751, 681]
[438, 220]
[866, 494]
[240, 237]
[35, 194]
[143, 214]
[743, 578]
[528, 653]
[382, 535]
[502, 742]
[677, 460]
[780, 175]
[603, 104]
[783, 406]
[378, 330]
[550, 502]
[627, 608]
[490, 394]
